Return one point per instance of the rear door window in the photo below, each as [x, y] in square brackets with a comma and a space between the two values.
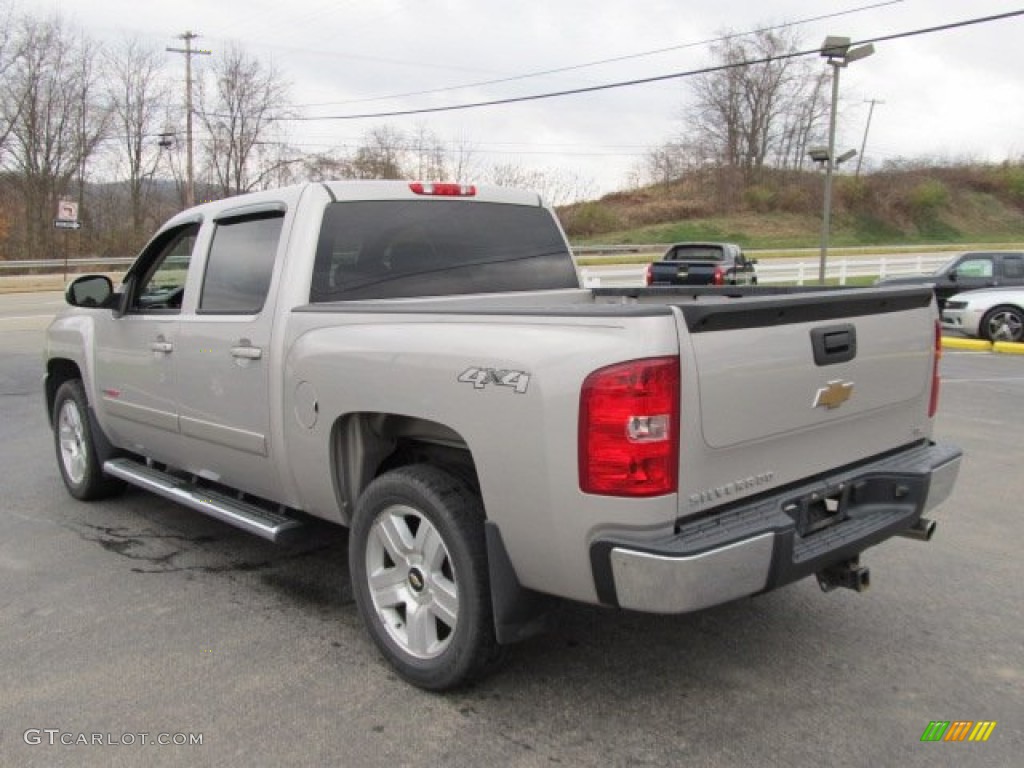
[1013, 265]
[241, 263]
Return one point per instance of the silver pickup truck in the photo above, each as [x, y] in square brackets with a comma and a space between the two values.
[418, 362]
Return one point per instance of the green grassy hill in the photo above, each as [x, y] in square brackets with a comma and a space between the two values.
[910, 206]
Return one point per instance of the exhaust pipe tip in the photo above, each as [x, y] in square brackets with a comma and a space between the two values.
[922, 530]
[862, 579]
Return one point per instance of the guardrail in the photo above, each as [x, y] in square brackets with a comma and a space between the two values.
[57, 265]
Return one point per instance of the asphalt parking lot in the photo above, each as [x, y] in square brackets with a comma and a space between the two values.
[134, 617]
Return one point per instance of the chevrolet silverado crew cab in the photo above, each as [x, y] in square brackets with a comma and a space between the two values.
[418, 362]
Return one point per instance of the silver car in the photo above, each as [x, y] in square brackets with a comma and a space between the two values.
[993, 314]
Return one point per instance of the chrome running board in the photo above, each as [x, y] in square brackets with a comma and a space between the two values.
[265, 523]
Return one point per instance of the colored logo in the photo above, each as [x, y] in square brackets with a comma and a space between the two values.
[834, 395]
[958, 730]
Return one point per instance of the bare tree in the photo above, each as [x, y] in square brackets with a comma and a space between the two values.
[511, 174]
[756, 114]
[805, 120]
[666, 163]
[381, 154]
[326, 166]
[242, 115]
[428, 157]
[461, 160]
[56, 121]
[137, 94]
[9, 53]
[558, 186]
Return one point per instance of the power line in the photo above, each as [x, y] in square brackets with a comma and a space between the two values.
[646, 80]
[599, 62]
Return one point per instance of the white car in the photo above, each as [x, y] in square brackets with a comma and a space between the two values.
[993, 314]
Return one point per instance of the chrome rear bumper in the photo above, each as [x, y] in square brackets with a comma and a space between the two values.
[757, 545]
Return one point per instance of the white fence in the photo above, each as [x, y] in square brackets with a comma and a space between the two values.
[787, 270]
[799, 271]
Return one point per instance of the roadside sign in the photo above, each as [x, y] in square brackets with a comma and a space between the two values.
[67, 210]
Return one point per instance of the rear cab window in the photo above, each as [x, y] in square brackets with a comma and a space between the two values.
[411, 248]
[696, 253]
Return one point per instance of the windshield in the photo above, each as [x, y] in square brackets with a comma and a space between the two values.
[409, 248]
[946, 266]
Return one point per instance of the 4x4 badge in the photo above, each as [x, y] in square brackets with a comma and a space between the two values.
[481, 377]
[835, 394]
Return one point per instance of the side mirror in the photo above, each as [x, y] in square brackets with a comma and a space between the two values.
[89, 291]
[952, 275]
[751, 261]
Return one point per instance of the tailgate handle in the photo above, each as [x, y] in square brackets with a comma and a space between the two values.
[834, 344]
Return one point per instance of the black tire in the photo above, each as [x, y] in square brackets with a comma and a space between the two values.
[1005, 323]
[424, 598]
[79, 460]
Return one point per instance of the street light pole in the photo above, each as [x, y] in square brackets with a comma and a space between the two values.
[830, 163]
[839, 54]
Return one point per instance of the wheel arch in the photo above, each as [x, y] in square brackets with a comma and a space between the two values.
[364, 445]
[59, 370]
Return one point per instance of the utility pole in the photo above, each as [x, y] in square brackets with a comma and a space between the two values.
[864, 143]
[190, 185]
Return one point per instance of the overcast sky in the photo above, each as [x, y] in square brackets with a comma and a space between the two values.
[954, 94]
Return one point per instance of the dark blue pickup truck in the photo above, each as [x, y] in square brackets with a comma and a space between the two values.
[702, 264]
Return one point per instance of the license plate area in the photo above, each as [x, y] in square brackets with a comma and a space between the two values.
[819, 510]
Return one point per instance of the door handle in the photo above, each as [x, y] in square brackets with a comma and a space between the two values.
[163, 347]
[246, 353]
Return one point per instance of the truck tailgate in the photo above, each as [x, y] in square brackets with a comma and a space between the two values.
[777, 388]
[682, 273]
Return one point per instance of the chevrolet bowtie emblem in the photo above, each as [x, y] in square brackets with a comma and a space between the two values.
[834, 395]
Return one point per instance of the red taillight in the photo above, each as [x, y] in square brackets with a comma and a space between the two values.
[649, 274]
[443, 190]
[933, 402]
[719, 277]
[629, 429]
